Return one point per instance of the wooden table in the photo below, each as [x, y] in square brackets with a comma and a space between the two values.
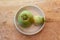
[8, 9]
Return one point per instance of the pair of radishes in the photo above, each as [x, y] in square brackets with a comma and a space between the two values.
[25, 19]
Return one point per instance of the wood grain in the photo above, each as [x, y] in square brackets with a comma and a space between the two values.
[8, 9]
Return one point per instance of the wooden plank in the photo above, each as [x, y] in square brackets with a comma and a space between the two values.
[51, 30]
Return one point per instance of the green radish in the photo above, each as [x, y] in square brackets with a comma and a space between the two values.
[38, 20]
[25, 18]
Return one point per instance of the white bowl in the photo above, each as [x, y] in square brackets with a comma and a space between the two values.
[33, 29]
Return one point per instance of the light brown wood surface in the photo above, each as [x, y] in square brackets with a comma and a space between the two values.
[51, 30]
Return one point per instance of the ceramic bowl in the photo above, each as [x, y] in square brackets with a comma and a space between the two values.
[33, 29]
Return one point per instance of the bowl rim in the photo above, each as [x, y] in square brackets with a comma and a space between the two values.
[25, 32]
